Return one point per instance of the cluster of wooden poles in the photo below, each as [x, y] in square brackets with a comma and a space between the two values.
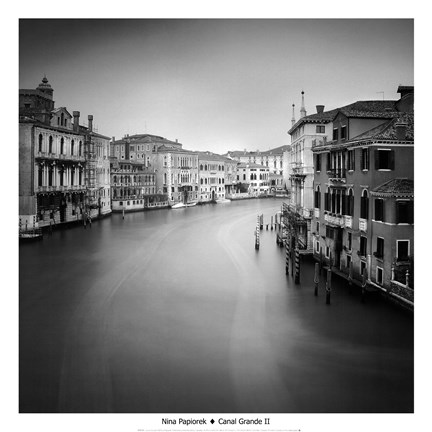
[295, 267]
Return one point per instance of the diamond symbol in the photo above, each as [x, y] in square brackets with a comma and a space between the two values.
[211, 421]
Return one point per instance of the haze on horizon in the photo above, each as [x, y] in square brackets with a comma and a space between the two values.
[213, 84]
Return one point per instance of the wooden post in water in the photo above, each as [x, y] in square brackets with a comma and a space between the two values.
[316, 278]
[257, 234]
[363, 288]
[328, 286]
[123, 212]
[297, 264]
[271, 223]
[350, 278]
[261, 220]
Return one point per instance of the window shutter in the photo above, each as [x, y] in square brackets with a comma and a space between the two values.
[411, 212]
[376, 152]
[397, 212]
[392, 160]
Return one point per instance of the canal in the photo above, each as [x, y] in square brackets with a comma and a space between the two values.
[175, 311]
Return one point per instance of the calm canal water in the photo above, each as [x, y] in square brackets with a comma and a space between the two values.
[175, 311]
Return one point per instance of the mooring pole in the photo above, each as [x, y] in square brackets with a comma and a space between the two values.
[316, 278]
[350, 278]
[257, 233]
[363, 293]
[297, 264]
[328, 286]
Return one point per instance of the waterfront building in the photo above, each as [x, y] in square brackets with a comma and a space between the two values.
[133, 186]
[97, 149]
[140, 148]
[63, 172]
[272, 159]
[213, 174]
[364, 192]
[231, 186]
[253, 178]
[176, 172]
[299, 158]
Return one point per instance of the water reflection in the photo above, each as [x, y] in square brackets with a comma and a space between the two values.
[175, 311]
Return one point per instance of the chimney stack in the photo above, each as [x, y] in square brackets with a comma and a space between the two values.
[113, 139]
[90, 123]
[302, 109]
[401, 131]
[76, 116]
[320, 109]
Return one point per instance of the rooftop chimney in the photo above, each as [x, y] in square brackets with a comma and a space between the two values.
[320, 109]
[90, 123]
[76, 116]
[113, 139]
[401, 130]
[302, 109]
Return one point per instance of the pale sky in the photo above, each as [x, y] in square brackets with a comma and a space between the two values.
[213, 84]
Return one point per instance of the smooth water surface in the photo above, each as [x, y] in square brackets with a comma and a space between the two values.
[175, 311]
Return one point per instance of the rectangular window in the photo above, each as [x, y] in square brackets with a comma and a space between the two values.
[380, 248]
[404, 212]
[327, 253]
[379, 209]
[379, 275]
[328, 161]
[335, 134]
[317, 162]
[317, 228]
[348, 261]
[317, 246]
[320, 129]
[349, 241]
[365, 159]
[403, 250]
[363, 246]
[351, 160]
[384, 159]
[362, 267]
[343, 132]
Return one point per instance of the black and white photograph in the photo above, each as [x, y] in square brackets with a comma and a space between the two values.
[215, 222]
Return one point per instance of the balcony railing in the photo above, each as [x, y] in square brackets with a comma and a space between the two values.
[54, 156]
[334, 219]
[337, 174]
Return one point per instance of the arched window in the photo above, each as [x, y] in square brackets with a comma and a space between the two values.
[72, 147]
[40, 142]
[50, 142]
[364, 205]
[62, 146]
[80, 149]
[201, 167]
[350, 203]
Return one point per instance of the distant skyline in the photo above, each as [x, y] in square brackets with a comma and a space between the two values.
[214, 85]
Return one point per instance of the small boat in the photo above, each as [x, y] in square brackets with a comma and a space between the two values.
[191, 204]
[222, 201]
[178, 205]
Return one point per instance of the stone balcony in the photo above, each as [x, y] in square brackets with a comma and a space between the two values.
[56, 156]
[333, 219]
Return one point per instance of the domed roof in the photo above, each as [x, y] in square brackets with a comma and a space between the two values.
[44, 84]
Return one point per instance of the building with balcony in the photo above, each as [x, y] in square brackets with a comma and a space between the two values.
[63, 166]
[212, 176]
[304, 135]
[272, 159]
[177, 174]
[253, 178]
[141, 148]
[133, 186]
[363, 189]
